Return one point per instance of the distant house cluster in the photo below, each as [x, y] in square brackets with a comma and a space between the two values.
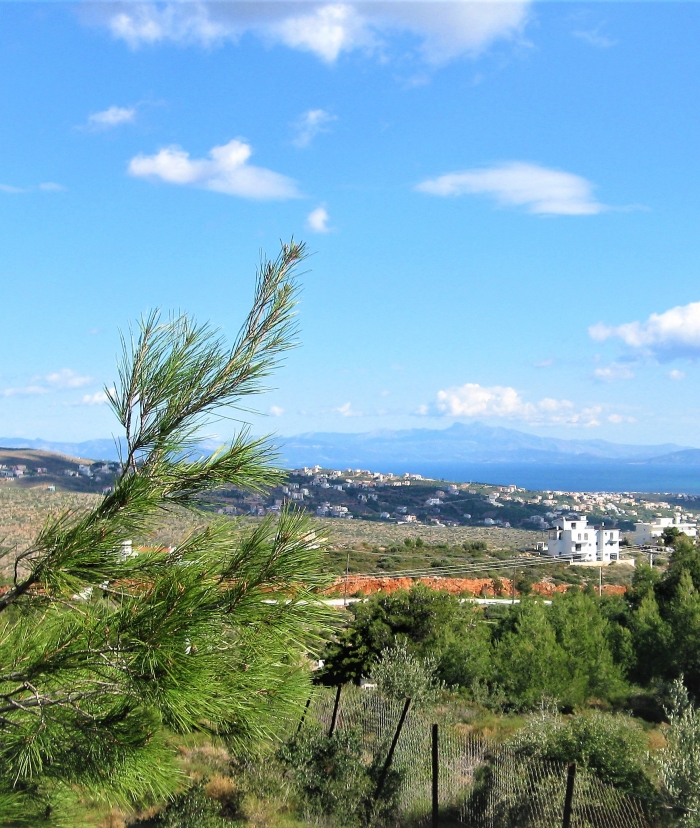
[646, 533]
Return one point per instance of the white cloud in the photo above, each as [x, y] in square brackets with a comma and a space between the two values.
[114, 116]
[519, 184]
[594, 37]
[311, 124]
[346, 410]
[317, 220]
[613, 372]
[616, 419]
[276, 411]
[98, 398]
[474, 400]
[676, 374]
[62, 380]
[673, 333]
[442, 31]
[26, 391]
[326, 31]
[47, 187]
[226, 170]
[65, 378]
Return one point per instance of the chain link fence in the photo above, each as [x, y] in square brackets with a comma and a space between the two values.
[479, 784]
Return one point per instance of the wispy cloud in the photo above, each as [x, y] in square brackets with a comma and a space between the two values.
[62, 380]
[112, 117]
[98, 398]
[441, 31]
[594, 37]
[318, 219]
[503, 402]
[673, 333]
[66, 378]
[310, 124]
[24, 391]
[539, 190]
[226, 170]
[276, 411]
[346, 410]
[616, 419]
[675, 374]
[46, 187]
[613, 372]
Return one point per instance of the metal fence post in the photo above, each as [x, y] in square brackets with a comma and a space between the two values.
[436, 770]
[392, 748]
[569, 799]
[303, 715]
[331, 729]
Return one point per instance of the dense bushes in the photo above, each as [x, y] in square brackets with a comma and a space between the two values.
[532, 651]
[331, 779]
[579, 649]
[613, 747]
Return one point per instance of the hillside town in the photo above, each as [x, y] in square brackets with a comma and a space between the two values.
[361, 494]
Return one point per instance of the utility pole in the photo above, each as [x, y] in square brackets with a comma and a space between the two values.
[347, 573]
[600, 580]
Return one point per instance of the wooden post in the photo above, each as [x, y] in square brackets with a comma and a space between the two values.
[303, 715]
[436, 770]
[392, 748]
[569, 799]
[335, 711]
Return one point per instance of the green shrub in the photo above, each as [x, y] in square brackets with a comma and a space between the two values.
[611, 746]
[190, 809]
[399, 675]
[331, 779]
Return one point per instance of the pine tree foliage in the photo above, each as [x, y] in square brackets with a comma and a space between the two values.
[679, 762]
[102, 653]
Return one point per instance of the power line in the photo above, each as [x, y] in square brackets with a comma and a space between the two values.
[448, 570]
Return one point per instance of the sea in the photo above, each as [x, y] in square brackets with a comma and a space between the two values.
[593, 477]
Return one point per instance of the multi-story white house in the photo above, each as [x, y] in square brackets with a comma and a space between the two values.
[572, 537]
[646, 532]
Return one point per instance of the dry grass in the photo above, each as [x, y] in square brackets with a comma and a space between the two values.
[350, 534]
[23, 512]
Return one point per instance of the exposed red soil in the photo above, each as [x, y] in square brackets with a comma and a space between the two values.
[482, 587]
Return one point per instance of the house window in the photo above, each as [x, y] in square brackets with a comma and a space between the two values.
[579, 536]
[585, 537]
[573, 525]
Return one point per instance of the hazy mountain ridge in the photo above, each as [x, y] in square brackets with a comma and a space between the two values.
[472, 443]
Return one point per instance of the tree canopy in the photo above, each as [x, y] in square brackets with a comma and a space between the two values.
[103, 652]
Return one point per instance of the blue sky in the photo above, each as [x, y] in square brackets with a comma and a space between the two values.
[503, 201]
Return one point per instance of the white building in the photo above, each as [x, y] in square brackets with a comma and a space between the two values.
[645, 533]
[572, 537]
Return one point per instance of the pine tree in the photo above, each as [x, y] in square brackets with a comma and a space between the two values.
[530, 663]
[103, 654]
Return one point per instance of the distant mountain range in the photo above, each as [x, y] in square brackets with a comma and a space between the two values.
[469, 443]
[90, 449]
[460, 443]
